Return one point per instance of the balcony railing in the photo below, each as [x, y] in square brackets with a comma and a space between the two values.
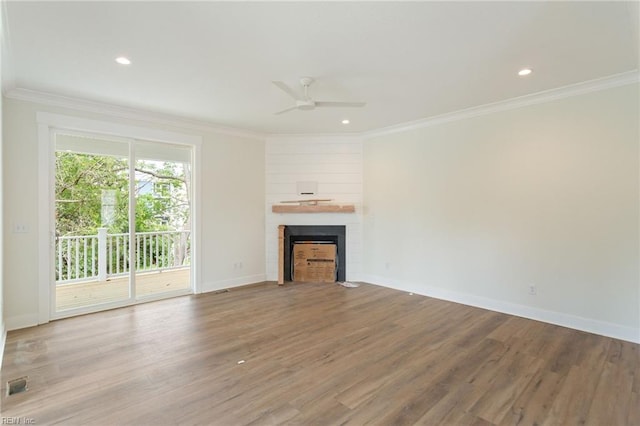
[102, 256]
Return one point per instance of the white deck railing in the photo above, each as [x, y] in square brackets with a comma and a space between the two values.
[99, 257]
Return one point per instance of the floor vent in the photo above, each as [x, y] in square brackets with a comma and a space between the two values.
[224, 290]
[17, 385]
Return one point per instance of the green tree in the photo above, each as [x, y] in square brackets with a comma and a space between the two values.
[162, 194]
[80, 180]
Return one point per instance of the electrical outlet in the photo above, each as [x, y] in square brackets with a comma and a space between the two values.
[20, 228]
[533, 290]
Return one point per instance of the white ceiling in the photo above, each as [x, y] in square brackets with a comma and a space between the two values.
[215, 61]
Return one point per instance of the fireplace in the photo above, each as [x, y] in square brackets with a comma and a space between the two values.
[320, 234]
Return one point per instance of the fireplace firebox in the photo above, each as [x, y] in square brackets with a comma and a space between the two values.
[320, 234]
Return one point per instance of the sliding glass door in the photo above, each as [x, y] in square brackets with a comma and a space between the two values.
[162, 240]
[122, 222]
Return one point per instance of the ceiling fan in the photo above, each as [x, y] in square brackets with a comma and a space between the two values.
[305, 103]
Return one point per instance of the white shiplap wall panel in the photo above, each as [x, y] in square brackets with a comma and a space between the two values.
[314, 146]
[321, 178]
[355, 158]
[280, 189]
[336, 164]
[316, 168]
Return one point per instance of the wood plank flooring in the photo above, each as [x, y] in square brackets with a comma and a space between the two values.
[88, 293]
[317, 354]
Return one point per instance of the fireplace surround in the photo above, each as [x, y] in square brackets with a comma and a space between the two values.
[320, 233]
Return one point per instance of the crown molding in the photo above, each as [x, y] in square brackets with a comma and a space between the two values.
[584, 87]
[315, 137]
[54, 100]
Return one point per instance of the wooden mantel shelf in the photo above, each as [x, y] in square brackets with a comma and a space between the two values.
[319, 208]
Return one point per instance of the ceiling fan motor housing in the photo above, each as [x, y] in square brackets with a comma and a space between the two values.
[306, 81]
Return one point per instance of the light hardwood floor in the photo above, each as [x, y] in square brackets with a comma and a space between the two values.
[317, 354]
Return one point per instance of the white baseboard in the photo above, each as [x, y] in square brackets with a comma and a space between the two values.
[233, 282]
[589, 325]
[21, 321]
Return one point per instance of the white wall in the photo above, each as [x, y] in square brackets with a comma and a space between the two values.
[3, 332]
[477, 210]
[232, 205]
[335, 162]
[232, 211]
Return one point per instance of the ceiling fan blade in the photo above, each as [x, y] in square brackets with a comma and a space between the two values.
[286, 89]
[286, 110]
[340, 104]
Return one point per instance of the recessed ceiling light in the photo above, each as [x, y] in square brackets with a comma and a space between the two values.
[123, 61]
[345, 121]
[524, 71]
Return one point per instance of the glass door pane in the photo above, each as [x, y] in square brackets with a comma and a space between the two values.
[92, 222]
[163, 219]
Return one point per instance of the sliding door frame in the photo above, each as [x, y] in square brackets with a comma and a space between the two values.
[48, 125]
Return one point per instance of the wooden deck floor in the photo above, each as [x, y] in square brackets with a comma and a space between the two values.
[87, 293]
[317, 354]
